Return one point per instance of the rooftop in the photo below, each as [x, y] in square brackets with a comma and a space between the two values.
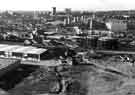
[21, 49]
[36, 51]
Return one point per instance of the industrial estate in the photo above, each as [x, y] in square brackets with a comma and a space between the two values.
[67, 52]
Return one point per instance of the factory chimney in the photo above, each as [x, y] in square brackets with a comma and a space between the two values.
[53, 10]
[91, 21]
[68, 20]
[65, 21]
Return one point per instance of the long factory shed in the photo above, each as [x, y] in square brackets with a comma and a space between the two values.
[21, 52]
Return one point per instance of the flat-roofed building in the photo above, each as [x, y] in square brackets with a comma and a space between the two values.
[21, 52]
[117, 25]
[1, 47]
[4, 51]
[35, 54]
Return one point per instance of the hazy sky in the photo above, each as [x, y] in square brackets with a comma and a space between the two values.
[60, 4]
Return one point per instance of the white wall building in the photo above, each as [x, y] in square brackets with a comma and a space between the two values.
[28, 53]
[116, 25]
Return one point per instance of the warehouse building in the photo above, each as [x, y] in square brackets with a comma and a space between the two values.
[4, 50]
[116, 25]
[19, 52]
[28, 53]
[35, 54]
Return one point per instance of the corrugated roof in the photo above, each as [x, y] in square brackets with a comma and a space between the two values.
[8, 48]
[3, 45]
[21, 49]
[27, 49]
[36, 51]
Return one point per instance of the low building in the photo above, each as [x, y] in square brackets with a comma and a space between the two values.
[116, 25]
[27, 53]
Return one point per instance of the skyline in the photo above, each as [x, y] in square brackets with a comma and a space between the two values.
[95, 5]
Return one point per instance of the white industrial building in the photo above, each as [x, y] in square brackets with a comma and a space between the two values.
[21, 52]
[116, 25]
